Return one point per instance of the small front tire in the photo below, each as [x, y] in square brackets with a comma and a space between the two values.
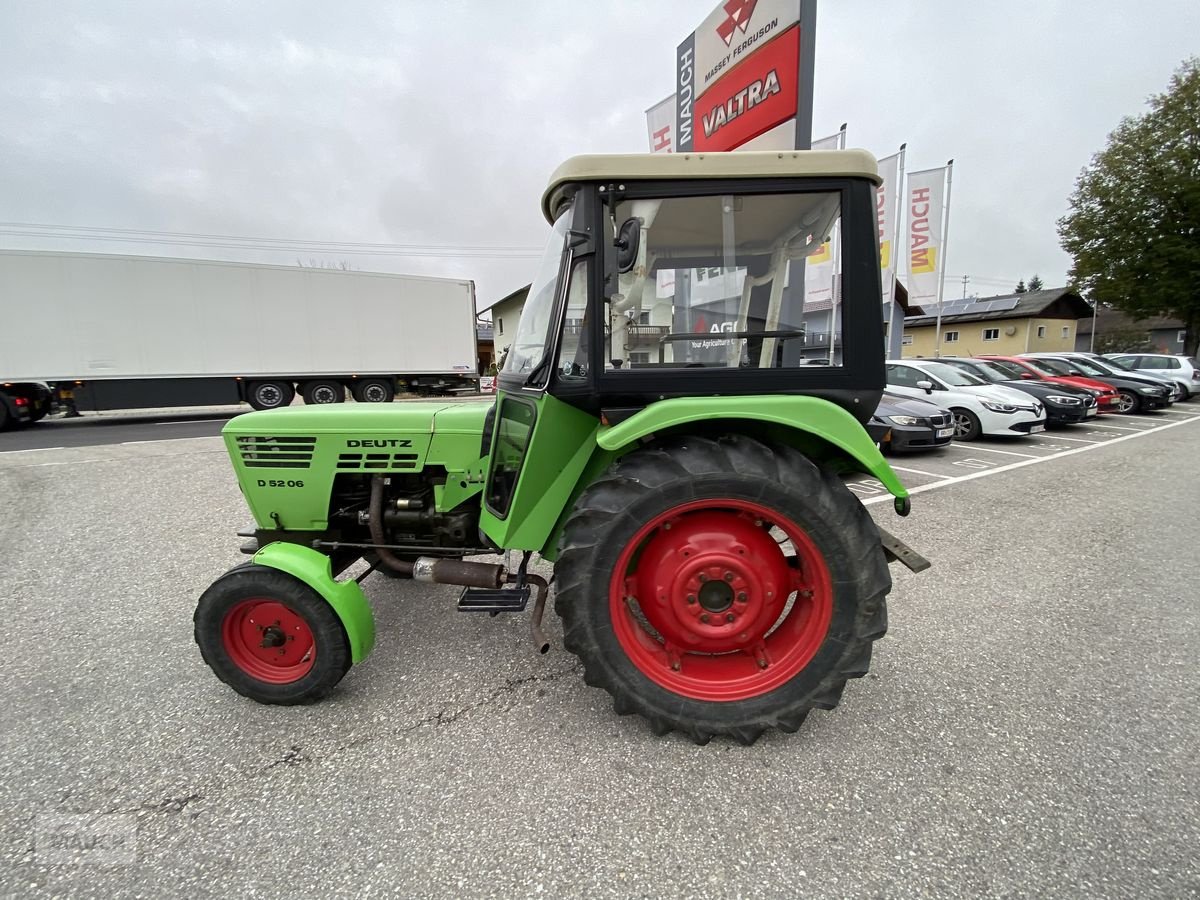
[271, 637]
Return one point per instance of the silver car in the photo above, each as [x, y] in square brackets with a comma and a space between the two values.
[1180, 369]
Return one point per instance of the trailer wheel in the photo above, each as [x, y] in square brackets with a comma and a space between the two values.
[721, 587]
[374, 390]
[323, 392]
[270, 394]
[271, 637]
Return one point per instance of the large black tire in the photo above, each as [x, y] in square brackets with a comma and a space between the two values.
[374, 390]
[323, 391]
[966, 424]
[270, 394]
[699, 473]
[313, 651]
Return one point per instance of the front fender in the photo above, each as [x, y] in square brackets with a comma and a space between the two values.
[346, 597]
[808, 415]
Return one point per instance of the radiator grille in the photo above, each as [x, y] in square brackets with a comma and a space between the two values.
[276, 451]
[364, 461]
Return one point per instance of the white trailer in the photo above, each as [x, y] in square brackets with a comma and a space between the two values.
[121, 332]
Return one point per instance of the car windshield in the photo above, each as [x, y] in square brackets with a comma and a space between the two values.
[1051, 367]
[1094, 367]
[988, 371]
[1120, 364]
[951, 375]
[529, 344]
[1009, 371]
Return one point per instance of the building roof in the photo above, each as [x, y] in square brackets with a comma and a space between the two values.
[619, 167]
[1110, 320]
[1059, 303]
[521, 292]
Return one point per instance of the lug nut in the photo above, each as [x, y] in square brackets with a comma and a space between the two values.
[741, 597]
[729, 576]
[703, 578]
[704, 617]
[729, 617]
[691, 598]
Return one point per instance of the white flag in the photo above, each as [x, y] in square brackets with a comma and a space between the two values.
[818, 274]
[835, 141]
[886, 200]
[660, 125]
[924, 199]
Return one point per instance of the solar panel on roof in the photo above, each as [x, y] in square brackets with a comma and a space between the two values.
[1005, 304]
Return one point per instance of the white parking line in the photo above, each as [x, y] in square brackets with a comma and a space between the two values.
[1122, 428]
[200, 437]
[1057, 437]
[1157, 418]
[918, 472]
[32, 450]
[955, 479]
[973, 448]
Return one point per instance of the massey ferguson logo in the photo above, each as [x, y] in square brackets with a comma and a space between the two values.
[737, 16]
[742, 102]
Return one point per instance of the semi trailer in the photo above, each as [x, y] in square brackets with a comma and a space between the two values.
[131, 332]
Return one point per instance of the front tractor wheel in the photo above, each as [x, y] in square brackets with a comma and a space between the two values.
[721, 587]
[271, 637]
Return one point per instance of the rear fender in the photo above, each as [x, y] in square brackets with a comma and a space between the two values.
[792, 417]
[346, 597]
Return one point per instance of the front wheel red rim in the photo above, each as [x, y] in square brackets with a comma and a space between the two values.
[269, 641]
[721, 600]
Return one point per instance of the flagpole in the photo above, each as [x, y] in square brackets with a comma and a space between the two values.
[942, 267]
[894, 340]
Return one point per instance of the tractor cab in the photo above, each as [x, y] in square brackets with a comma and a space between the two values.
[684, 275]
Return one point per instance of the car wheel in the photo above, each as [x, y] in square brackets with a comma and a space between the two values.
[1128, 402]
[966, 425]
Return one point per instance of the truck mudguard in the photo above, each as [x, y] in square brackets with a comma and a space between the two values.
[810, 415]
[346, 597]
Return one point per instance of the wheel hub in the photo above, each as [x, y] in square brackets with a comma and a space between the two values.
[268, 640]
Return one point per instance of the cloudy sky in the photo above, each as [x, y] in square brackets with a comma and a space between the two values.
[435, 124]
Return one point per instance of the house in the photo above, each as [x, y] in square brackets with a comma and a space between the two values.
[483, 340]
[1116, 332]
[506, 314]
[818, 315]
[1008, 324]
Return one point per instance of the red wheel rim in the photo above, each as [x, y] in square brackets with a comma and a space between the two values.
[709, 604]
[268, 641]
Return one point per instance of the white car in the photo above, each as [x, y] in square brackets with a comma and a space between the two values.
[978, 407]
[1180, 369]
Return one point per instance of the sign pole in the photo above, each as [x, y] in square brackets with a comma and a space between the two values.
[942, 274]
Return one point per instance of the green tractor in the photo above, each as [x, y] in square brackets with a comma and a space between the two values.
[656, 435]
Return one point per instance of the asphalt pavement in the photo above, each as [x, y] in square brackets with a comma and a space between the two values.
[1029, 726]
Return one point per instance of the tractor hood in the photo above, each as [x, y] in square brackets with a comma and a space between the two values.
[362, 417]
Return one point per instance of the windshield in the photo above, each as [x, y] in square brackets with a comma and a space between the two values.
[1051, 367]
[529, 345]
[1006, 370]
[952, 376]
[1093, 367]
[1120, 364]
[983, 370]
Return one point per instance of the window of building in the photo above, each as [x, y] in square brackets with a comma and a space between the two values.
[1066, 331]
[1041, 331]
[644, 319]
[499, 326]
[906, 340]
[1181, 336]
[950, 337]
[991, 334]
[638, 356]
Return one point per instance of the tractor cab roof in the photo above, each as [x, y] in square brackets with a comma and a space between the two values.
[679, 166]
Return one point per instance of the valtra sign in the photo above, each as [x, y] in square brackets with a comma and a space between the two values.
[737, 75]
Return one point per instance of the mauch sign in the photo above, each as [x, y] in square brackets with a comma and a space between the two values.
[737, 76]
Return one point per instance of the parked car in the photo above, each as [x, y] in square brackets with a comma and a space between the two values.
[1064, 405]
[1183, 370]
[1108, 399]
[1138, 392]
[911, 424]
[1112, 367]
[978, 407]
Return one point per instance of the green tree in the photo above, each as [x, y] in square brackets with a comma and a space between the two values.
[1133, 228]
[1035, 283]
[1020, 289]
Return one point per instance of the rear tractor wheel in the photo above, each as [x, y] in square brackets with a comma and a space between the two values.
[271, 637]
[721, 587]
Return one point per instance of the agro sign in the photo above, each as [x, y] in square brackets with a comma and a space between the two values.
[737, 75]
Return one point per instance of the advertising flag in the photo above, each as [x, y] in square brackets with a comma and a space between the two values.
[660, 125]
[886, 199]
[834, 142]
[924, 200]
[818, 275]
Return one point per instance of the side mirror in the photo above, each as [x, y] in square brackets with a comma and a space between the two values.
[926, 386]
[1028, 376]
[627, 242]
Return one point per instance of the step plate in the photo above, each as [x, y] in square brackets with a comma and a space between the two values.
[493, 600]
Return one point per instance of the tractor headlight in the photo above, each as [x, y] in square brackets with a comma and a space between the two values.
[904, 420]
[998, 407]
[1063, 400]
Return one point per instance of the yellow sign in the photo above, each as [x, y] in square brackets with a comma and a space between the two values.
[923, 260]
